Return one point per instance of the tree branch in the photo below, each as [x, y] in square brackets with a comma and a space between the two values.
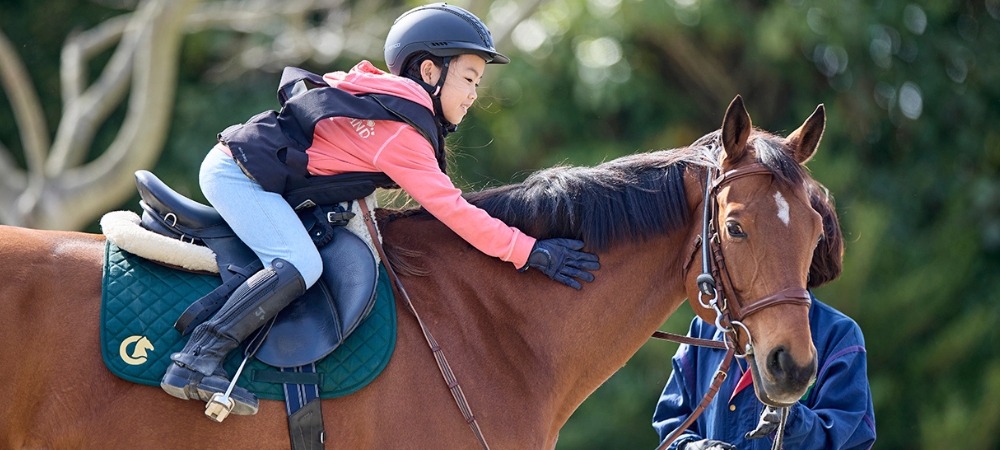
[12, 182]
[83, 46]
[250, 16]
[27, 108]
[84, 113]
[293, 41]
[82, 194]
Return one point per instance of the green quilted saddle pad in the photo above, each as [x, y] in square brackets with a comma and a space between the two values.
[142, 299]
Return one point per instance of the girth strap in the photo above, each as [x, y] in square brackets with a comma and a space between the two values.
[305, 413]
[442, 362]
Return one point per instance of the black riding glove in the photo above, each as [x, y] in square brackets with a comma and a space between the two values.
[707, 444]
[768, 423]
[561, 261]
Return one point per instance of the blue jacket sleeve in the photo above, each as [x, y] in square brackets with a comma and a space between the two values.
[678, 400]
[837, 414]
[674, 407]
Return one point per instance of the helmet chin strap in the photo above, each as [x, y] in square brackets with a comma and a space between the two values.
[435, 93]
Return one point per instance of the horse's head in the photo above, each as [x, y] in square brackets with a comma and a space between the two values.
[765, 234]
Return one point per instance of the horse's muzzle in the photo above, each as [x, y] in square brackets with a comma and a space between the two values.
[786, 381]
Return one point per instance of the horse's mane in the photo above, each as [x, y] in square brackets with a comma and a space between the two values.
[628, 199]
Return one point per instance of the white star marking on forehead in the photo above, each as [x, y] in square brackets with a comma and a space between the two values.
[782, 208]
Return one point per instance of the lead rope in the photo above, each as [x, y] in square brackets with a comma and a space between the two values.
[779, 436]
[442, 362]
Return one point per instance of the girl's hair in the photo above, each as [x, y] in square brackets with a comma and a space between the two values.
[411, 69]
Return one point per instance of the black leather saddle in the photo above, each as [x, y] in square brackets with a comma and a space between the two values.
[313, 325]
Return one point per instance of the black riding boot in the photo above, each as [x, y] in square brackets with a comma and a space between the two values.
[197, 369]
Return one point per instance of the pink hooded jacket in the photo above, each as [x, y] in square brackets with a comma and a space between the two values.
[343, 144]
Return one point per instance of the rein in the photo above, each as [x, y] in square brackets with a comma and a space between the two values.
[442, 362]
[728, 314]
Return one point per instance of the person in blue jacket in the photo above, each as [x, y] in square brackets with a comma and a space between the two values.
[835, 413]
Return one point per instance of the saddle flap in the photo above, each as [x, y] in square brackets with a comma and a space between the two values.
[316, 323]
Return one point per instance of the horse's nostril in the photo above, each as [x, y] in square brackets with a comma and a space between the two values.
[777, 362]
[784, 369]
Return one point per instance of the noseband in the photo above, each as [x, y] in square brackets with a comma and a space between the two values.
[714, 282]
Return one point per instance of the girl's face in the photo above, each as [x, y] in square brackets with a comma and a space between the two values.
[459, 90]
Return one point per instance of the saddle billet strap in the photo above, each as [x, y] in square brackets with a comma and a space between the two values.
[442, 362]
[718, 378]
[305, 426]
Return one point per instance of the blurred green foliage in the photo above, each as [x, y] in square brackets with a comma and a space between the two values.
[911, 152]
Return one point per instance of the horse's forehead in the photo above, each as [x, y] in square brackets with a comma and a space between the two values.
[765, 196]
[792, 205]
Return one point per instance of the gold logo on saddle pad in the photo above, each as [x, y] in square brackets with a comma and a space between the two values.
[138, 355]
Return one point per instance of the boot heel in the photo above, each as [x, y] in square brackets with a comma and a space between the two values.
[178, 382]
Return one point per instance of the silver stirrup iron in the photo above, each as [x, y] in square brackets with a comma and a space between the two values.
[220, 405]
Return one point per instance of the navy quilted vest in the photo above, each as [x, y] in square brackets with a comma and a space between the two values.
[271, 146]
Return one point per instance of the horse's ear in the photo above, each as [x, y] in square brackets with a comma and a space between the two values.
[736, 128]
[805, 140]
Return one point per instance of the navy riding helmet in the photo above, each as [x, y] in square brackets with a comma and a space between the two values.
[439, 29]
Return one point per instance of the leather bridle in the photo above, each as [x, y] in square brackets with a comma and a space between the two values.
[715, 285]
[715, 282]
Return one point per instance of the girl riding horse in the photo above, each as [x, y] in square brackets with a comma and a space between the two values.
[437, 54]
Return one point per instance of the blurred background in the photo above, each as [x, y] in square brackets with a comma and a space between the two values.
[94, 90]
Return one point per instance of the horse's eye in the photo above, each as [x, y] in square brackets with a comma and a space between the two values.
[735, 230]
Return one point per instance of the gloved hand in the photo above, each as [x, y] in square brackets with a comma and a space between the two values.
[768, 423]
[707, 444]
[562, 261]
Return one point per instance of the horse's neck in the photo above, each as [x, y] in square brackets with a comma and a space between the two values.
[559, 344]
[550, 343]
[596, 330]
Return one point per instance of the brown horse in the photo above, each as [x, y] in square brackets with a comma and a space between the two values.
[526, 350]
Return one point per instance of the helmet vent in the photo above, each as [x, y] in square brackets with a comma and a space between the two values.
[439, 44]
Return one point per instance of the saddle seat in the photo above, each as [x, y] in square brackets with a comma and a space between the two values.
[185, 215]
[313, 325]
